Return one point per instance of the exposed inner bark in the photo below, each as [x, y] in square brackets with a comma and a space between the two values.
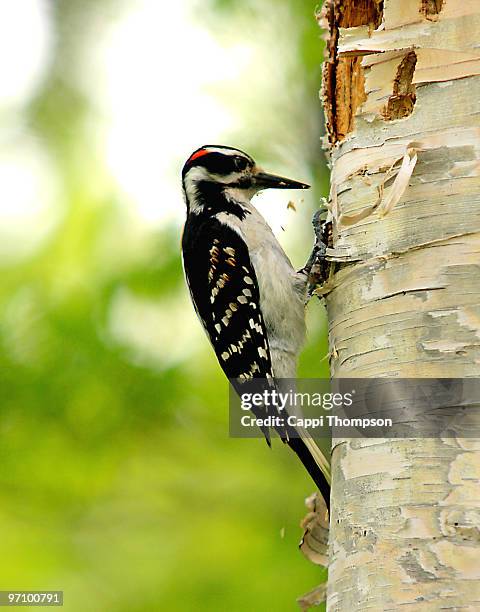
[431, 8]
[401, 102]
[359, 12]
[349, 93]
[343, 78]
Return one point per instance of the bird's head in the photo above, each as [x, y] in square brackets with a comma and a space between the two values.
[229, 170]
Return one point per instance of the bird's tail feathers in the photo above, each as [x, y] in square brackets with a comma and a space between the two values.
[314, 462]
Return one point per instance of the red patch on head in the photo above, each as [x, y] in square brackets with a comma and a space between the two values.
[198, 154]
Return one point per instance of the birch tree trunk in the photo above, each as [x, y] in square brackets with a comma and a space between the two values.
[402, 102]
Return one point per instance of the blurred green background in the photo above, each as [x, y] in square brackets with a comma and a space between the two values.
[119, 484]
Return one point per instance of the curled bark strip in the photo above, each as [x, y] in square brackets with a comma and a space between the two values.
[314, 544]
[401, 182]
[353, 219]
[313, 598]
[409, 161]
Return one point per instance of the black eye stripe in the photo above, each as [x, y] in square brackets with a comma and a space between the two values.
[219, 163]
[240, 162]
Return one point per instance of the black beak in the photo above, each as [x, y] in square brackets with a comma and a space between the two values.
[270, 181]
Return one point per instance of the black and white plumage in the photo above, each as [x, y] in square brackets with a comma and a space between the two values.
[224, 287]
[248, 296]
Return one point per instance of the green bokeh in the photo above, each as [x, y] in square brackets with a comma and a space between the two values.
[119, 484]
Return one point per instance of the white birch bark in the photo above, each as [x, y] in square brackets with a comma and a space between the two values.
[402, 100]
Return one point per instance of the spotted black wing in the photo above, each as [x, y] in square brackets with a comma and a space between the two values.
[224, 290]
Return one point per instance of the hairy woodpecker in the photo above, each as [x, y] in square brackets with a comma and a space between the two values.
[248, 297]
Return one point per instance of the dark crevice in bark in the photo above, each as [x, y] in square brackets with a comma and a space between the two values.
[401, 102]
[431, 8]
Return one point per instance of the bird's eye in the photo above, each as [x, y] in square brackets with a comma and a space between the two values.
[240, 163]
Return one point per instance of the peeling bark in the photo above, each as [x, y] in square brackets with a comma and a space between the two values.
[431, 8]
[343, 79]
[400, 104]
[401, 92]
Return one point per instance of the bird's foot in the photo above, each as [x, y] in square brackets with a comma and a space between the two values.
[317, 268]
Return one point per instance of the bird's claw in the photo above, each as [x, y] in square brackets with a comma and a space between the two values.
[317, 268]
